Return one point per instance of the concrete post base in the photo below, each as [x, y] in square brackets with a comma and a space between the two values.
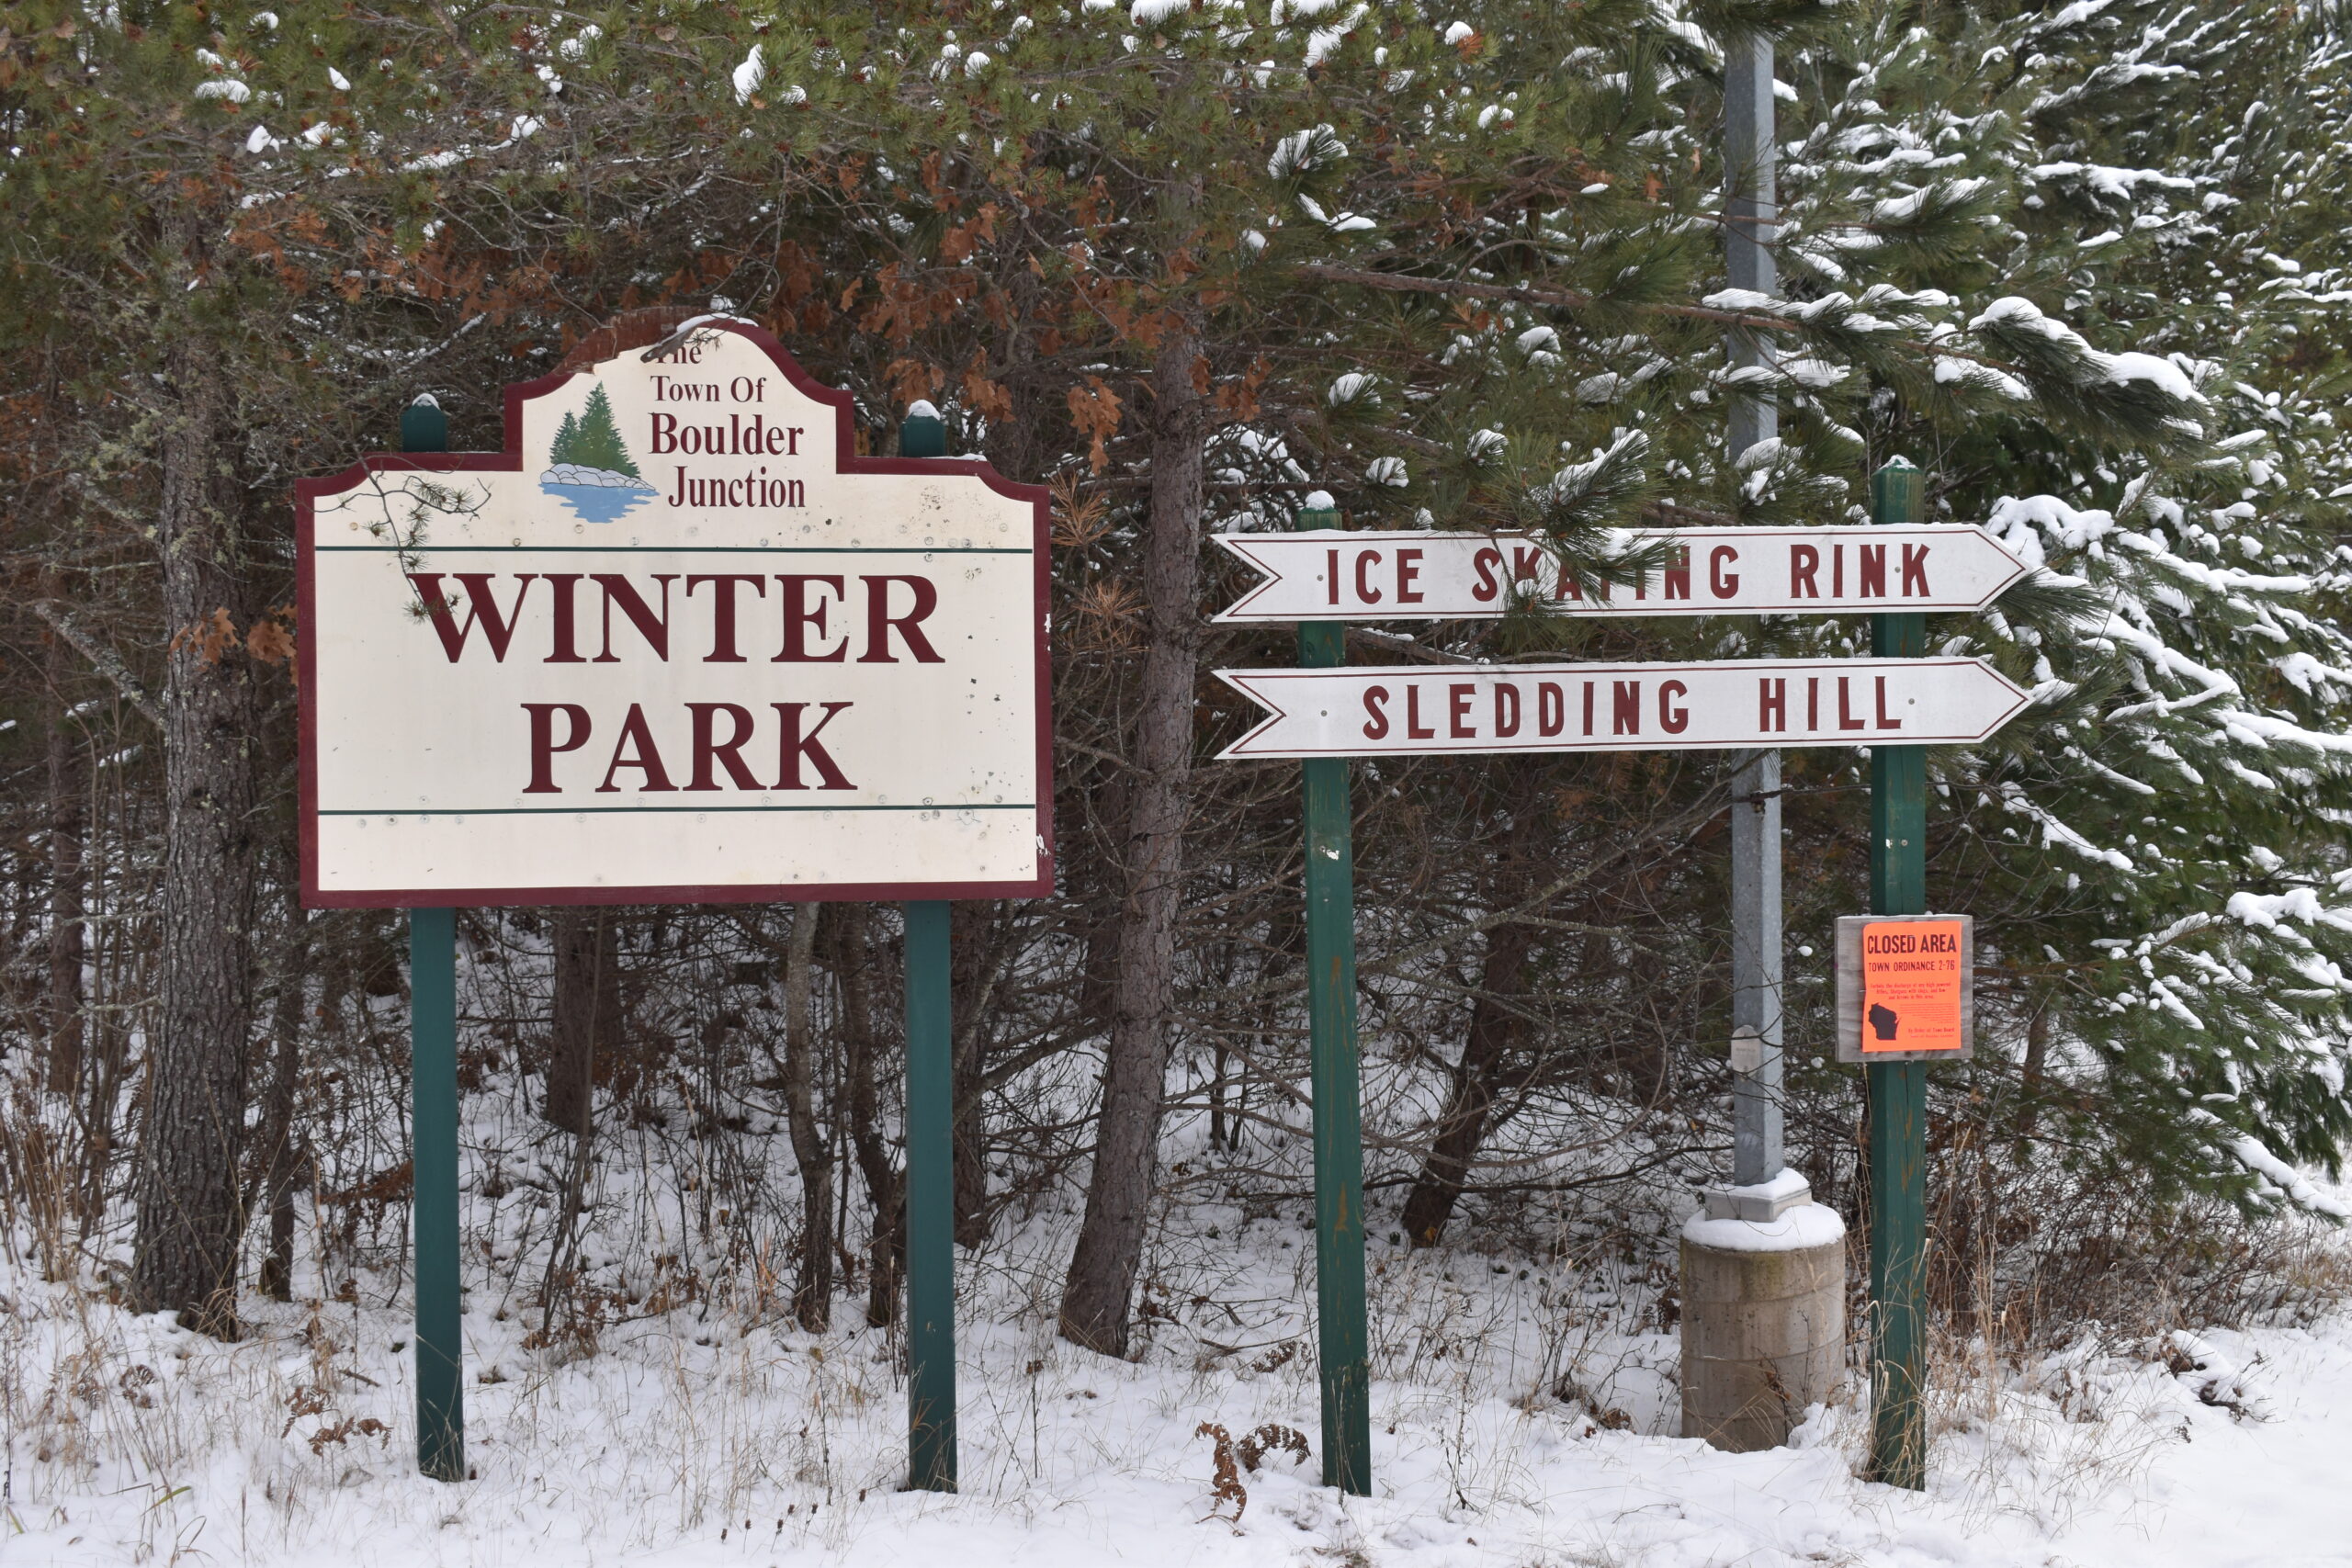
[1763, 1323]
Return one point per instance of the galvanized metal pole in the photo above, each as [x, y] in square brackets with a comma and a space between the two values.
[1898, 1090]
[1750, 208]
[930, 1131]
[1757, 1152]
[433, 1133]
[1340, 1329]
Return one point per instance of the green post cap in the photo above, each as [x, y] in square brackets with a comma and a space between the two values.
[424, 427]
[1897, 492]
[1318, 510]
[923, 434]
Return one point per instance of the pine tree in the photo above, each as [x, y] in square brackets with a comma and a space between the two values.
[596, 442]
[203, 297]
[564, 450]
[2077, 209]
[2085, 264]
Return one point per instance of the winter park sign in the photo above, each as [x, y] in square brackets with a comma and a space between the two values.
[676, 642]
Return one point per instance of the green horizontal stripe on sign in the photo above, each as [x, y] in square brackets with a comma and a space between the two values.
[682, 549]
[608, 810]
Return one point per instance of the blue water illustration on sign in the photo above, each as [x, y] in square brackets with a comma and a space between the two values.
[598, 500]
[589, 467]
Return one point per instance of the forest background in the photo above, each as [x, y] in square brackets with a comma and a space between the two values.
[1460, 265]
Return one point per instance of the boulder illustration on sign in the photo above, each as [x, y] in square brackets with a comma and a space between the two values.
[1883, 1021]
[589, 467]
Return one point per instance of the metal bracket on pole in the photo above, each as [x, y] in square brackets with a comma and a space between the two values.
[1898, 1090]
[433, 1133]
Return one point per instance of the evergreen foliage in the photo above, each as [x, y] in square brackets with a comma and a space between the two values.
[592, 441]
[2085, 264]
[2165, 836]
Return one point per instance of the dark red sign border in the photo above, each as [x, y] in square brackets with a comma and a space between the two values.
[510, 460]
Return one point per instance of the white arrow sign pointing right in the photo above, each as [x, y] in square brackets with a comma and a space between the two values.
[1423, 710]
[1333, 574]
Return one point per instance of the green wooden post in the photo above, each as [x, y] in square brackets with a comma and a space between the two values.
[1898, 1090]
[433, 1131]
[1339, 1114]
[433, 1145]
[931, 1205]
[930, 1131]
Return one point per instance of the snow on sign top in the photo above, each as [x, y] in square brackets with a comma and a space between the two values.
[675, 643]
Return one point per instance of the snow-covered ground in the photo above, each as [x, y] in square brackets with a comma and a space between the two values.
[1517, 1411]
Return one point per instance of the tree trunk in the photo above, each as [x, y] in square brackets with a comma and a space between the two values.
[1098, 1295]
[188, 1214]
[885, 1185]
[1493, 1041]
[1486, 1054]
[1097, 888]
[277, 1110]
[68, 801]
[1219, 1065]
[587, 1009]
[812, 1291]
[2037, 1061]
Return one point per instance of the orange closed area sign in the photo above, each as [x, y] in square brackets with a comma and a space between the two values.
[1913, 977]
[1904, 987]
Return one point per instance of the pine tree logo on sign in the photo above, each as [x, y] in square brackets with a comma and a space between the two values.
[589, 467]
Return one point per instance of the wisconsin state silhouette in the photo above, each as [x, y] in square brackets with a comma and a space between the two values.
[1883, 1021]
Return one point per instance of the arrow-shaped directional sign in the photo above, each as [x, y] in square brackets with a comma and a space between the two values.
[1336, 574]
[1424, 710]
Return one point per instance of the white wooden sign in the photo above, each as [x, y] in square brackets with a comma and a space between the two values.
[675, 643]
[1421, 710]
[1351, 575]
